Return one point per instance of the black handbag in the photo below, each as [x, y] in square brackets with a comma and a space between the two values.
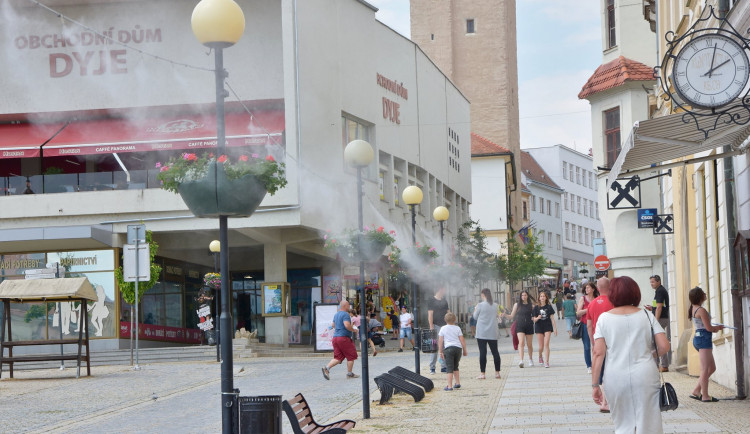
[578, 330]
[667, 395]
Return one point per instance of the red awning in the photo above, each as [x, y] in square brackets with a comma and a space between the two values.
[140, 135]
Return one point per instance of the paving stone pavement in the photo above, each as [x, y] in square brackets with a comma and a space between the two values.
[117, 399]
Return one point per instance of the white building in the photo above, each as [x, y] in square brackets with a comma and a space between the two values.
[573, 172]
[315, 75]
[546, 207]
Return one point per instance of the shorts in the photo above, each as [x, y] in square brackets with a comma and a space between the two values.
[406, 333]
[702, 340]
[472, 321]
[343, 348]
[452, 357]
[526, 327]
[542, 327]
[570, 322]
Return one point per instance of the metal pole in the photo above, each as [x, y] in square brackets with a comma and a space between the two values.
[225, 318]
[216, 314]
[363, 325]
[414, 292]
[442, 243]
[137, 273]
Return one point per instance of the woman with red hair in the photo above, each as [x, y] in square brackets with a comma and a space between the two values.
[631, 378]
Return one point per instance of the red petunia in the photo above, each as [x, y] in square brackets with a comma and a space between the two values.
[270, 158]
[380, 229]
[191, 157]
[243, 158]
[222, 159]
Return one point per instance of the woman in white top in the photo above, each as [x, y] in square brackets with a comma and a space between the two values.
[702, 342]
[485, 313]
[631, 377]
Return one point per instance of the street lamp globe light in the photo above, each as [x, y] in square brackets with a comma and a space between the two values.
[412, 195]
[359, 153]
[215, 246]
[218, 23]
[441, 214]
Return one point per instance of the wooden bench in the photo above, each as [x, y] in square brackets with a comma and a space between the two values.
[301, 419]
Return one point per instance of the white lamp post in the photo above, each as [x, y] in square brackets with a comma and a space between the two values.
[219, 24]
[412, 196]
[359, 154]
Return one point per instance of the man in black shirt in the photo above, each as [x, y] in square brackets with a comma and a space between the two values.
[437, 307]
[660, 309]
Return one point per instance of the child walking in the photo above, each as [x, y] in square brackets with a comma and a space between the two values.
[450, 344]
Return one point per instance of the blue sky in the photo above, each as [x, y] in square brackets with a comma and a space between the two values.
[559, 47]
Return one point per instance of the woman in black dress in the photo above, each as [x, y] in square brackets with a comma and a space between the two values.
[543, 316]
[524, 325]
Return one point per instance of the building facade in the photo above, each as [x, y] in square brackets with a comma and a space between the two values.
[474, 43]
[546, 208]
[141, 90]
[491, 165]
[573, 172]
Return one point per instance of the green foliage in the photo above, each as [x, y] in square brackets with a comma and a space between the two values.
[522, 261]
[127, 289]
[38, 311]
[190, 167]
[479, 265]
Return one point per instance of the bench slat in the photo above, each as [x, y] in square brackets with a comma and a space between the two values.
[302, 415]
[41, 358]
[48, 342]
[299, 407]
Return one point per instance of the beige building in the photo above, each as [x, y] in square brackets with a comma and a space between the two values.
[474, 43]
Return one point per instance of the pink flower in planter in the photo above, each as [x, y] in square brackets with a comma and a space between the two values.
[380, 229]
[243, 158]
[158, 165]
[164, 169]
[255, 155]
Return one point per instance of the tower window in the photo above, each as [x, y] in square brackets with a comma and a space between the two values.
[470, 25]
[611, 33]
[432, 36]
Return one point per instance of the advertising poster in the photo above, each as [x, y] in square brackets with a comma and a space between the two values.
[323, 329]
[331, 289]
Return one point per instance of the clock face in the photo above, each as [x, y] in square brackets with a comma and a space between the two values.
[710, 71]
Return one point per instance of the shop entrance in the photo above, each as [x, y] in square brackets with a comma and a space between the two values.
[246, 303]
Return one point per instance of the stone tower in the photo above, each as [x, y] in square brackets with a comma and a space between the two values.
[474, 43]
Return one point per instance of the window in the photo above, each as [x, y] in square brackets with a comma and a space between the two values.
[578, 201]
[574, 233]
[585, 208]
[470, 25]
[525, 211]
[549, 207]
[533, 202]
[566, 201]
[558, 242]
[597, 213]
[598, 234]
[570, 167]
[586, 232]
[584, 177]
[541, 205]
[611, 33]
[591, 180]
[591, 208]
[612, 134]
[578, 175]
[567, 231]
[580, 234]
[549, 239]
[565, 170]
[557, 209]
[352, 130]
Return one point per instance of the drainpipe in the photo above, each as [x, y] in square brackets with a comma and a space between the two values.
[737, 313]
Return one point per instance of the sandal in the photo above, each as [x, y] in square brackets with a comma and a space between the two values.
[497, 376]
[456, 386]
[326, 373]
[710, 400]
[696, 397]
[481, 377]
[448, 389]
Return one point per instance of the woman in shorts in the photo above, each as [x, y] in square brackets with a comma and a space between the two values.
[543, 316]
[702, 342]
[524, 325]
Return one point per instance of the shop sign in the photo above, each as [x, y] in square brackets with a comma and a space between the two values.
[204, 314]
[646, 218]
[82, 261]
[392, 109]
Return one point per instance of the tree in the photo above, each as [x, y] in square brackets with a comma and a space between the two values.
[522, 261]
[479, 265]
[127, 289]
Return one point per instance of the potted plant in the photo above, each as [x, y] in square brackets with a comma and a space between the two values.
[347, 246]
[214, 186]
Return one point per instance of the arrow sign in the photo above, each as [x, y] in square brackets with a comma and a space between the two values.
[624, 193]
[663, 224]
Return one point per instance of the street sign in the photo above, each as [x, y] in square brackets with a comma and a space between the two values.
[129, 263]
[624, 193]
[601, 263]
[136, 232]
[663, 224]
[646, 218]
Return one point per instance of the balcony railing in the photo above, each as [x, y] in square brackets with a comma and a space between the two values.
[75, 182]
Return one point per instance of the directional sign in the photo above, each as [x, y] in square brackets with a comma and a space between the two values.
[646, 218]
[624, 193]
[664, 224]
[601, 263]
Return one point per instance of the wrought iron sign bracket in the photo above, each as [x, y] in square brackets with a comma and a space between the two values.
[668, 173]
[714, 113]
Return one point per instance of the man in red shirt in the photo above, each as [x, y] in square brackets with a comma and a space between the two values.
[598, 306]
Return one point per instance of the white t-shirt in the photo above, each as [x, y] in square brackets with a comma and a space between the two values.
[450, 334]
[405, 319]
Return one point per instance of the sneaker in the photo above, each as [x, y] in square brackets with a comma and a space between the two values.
[326, 373]
[541, 361]
[432, 372]
[448, 389]
[531, 363]
[456, 386]
[400, 350]
[520, 364]
[546, 365]
[443, 370]
[351, 375]
[588, 370]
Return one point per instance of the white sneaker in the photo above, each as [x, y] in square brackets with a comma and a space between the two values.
[520, 364]
[588, 370]
[531, 363]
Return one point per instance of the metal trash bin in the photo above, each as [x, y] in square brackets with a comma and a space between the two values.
[259, 414]
[427, 340]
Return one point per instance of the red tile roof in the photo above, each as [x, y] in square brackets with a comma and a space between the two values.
[481, 146]
[533, 171]
[616, 73]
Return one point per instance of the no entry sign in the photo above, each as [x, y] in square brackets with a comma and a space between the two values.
[601, 263]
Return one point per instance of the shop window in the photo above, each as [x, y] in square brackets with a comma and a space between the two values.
[612, 135]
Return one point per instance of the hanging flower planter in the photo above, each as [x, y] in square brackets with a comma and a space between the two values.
[374, 242]
[213, 187]
[371, 250]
